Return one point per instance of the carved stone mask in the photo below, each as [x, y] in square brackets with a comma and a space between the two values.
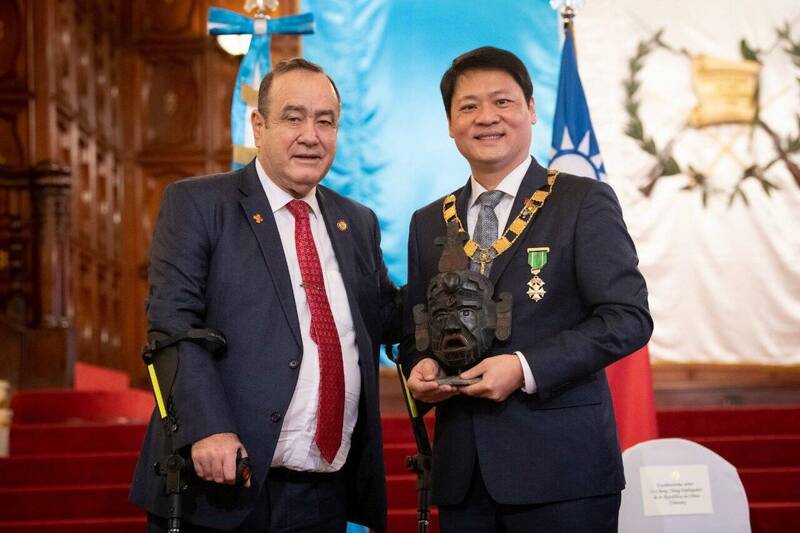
[462, 317]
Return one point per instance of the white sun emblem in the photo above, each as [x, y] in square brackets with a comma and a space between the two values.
[579, 161]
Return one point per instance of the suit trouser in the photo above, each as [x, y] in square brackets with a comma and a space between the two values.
[479, 513]
[290, 501]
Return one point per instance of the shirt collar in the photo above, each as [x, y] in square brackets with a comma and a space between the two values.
[277, 197]
[509, 185]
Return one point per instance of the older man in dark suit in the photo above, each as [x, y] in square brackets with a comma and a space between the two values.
[532, 446]
[292, 274]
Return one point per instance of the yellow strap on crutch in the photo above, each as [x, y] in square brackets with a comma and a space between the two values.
[162, 410]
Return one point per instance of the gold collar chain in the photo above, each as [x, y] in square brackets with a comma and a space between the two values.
[484, 256]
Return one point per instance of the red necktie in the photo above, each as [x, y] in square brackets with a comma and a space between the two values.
[330, 409]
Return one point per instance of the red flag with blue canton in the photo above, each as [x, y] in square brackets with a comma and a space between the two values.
[575, 150]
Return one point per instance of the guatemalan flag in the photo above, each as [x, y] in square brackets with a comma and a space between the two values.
[575, 150]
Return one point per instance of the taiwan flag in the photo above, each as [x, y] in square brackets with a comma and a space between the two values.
[575, 150]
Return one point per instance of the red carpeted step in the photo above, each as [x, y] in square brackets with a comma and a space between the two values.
[405, 521]
[96, 459]
[29, 439]
[93, 378]
[775, 517]
[87, 525]
[41, 407]
[67, 469]
[398, 428]
[771, 484]
[690, 423]
[394, 457]
[762, 451]
[66, 502]
[402, 491]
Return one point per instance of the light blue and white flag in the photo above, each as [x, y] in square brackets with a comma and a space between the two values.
[394, 153]
[255, 65]
[574, 145]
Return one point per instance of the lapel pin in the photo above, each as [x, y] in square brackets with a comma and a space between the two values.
[342, 225]
[258, 218]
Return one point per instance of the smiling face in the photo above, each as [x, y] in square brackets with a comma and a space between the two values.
[296, 140]
[490, 122]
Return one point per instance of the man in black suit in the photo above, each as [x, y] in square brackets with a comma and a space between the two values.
[532, 446]
[292, 274]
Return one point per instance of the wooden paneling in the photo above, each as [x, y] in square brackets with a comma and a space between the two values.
[12, 42]
[219, 93]
[122, 98]
[13, 85]
[16, 249]
[12, 126]
[13, 338]
[160, 20]
[706, 384]
[170, 93]
[66, 53]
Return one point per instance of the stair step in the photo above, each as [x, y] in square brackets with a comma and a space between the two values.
[27, 439]
[67, 454]
[394, 457]
[761, 451]
[771, 484]
[67, 502]
[405, 520]
[93, 378]
[50, 406]
[692, 423]
[398, 428]
[774, 517]
[401, 490]
[67, 469]
[81, 525]
[764, 518]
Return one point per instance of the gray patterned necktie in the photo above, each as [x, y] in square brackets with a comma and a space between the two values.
[486, 231]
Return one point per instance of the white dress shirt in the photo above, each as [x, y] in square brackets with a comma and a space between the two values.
[510, 186]
[296, 448]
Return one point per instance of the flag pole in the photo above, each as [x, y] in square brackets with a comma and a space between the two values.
[567, 16]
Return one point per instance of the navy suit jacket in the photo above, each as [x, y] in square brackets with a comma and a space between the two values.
[213, 265]
[561, 442]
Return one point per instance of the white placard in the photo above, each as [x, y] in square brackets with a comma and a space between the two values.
[676, 490]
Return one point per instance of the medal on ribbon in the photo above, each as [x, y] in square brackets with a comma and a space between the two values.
[537, 259]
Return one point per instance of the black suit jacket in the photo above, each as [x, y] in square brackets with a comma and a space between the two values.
[212, 265]
[561, 442]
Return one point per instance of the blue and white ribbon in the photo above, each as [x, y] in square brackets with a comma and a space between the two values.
[255, 65]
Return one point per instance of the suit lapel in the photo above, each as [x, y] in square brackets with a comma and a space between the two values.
[535, 177]
[341, 239]
[344, 249]
[462, 203]
[256, 208]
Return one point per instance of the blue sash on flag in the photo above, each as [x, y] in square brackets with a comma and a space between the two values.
[255, 65]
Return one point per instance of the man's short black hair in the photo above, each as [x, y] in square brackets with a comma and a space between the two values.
[288, 65]
[485, 58]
